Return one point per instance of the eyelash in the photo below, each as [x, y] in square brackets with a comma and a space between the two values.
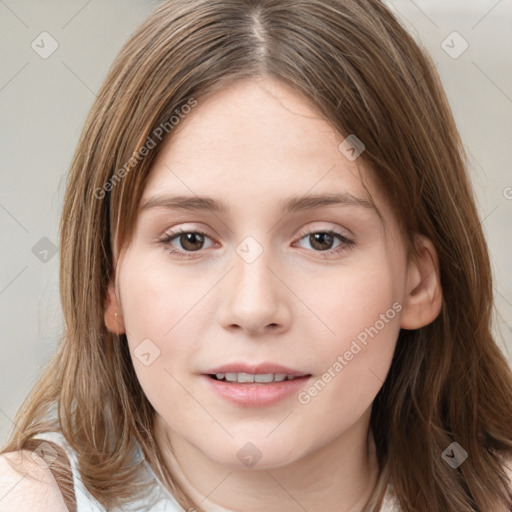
[345, 245]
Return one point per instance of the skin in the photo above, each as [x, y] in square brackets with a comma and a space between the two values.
[252, 145]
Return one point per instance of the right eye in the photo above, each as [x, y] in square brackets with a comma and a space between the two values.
[191, 241]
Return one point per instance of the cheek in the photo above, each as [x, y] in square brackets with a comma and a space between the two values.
[353, 370]
[355, 298]
[157, 307]
[159, 300]
[362, 312]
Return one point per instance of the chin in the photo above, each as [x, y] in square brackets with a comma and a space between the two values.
[254, 455]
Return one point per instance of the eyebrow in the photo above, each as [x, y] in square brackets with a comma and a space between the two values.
[293, 204]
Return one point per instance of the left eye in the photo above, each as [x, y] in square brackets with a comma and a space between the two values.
[322, 241]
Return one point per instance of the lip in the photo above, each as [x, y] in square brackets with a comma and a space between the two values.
[255, 394]
[255, 368]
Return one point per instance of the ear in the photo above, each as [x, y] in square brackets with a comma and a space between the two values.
[113, 316]
[424, 297]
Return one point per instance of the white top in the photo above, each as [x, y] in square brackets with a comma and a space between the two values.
[160, 499]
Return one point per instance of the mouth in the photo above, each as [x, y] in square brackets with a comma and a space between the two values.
[260, 385]
[248, 378]
[262, 373]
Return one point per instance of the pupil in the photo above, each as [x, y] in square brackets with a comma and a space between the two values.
[323, 238]
[188, 239]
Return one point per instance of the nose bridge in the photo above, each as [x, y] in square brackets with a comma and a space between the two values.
[254, 298]
[252, 278]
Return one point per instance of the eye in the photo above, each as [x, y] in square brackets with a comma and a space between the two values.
[322, 241]
[190, 241]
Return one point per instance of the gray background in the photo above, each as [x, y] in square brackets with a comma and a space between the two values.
[44, 101]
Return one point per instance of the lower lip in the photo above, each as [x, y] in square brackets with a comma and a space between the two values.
[256, 394]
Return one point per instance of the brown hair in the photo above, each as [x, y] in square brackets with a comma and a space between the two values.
[363, 73]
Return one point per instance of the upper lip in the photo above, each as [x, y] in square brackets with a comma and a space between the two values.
[260, 368]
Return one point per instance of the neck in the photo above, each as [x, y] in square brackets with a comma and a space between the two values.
[340, 475]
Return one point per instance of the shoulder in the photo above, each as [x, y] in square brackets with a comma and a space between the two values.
[27, 484]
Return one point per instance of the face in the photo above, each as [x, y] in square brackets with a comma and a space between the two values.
[268, 284]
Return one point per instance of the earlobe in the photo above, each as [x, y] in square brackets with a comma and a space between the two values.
[424, 299]
[113, 317]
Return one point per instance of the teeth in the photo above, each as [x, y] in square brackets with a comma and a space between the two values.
[245, 377]
[249, 377]
[264, 377]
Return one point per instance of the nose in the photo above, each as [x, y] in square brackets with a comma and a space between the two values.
[254, 298]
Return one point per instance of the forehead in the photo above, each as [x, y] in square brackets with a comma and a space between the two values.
[257, 131]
